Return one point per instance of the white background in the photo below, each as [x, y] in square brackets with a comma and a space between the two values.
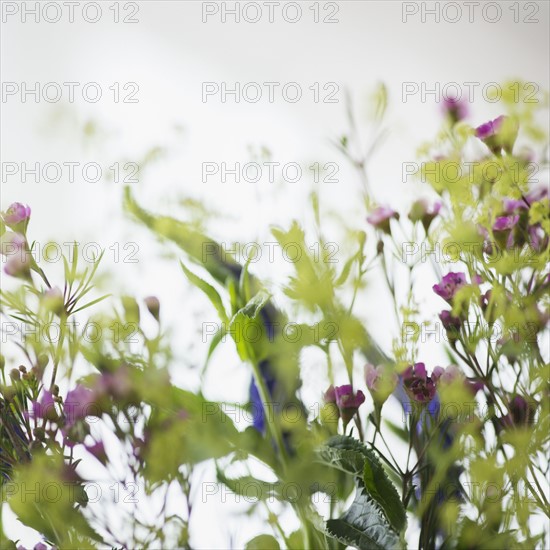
[170, 53]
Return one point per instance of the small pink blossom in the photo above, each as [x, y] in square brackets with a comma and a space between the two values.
[380, 381]
[449, 285]
[380, 218]
[16, 214]
[419, 386]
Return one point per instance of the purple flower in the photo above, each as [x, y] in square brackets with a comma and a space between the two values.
[348, 402]
[14, 247]
[520, 413]
[380, 382]
[450, 323]
[456, 109]
[16, 214]
[538, 240]
[498, 134]
[40, 546]
[512, 205]
[330, 395]
[347, 399]
[80, 403]
[489, 129]
[503, 230]
[45, 408]
[380, 218]
[504, 223]
[449, 285]
[11, 243]
[117, 384]
[447, 375]
[423, 212]
[453, 373]
[418, 385]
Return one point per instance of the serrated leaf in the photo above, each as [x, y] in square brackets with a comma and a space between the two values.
[363, 526]
[350, 455]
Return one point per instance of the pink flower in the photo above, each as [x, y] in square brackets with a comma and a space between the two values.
[453, 373]
[330, 395]
[423, 212]
[418, 385]
[489, 129]
[512, 205]
[450, 323]
[449, 285]
[347, 401]
[80, 403]
[456, 109]
[498, 134]
[45, 408]
[503, 230]
[16, 214]
[520, 413]
[14, 247]
[503, 223]
[380, 382]
[380, 218]
[448, 375]
[117, 384]
[11, 243]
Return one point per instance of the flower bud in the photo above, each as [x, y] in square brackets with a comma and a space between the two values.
[380, 218]
[153, 306]
[17, 216]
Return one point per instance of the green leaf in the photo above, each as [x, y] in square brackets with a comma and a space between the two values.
[347, 454]
[249, 487]
[209, 290]
[263, 542]
[363, 526]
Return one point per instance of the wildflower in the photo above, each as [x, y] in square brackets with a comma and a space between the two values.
[456, 109]
[450, 323]
[452, 374]
[418, 385]
[347, 401]
[421, 211]
[80, 403]
[14, 247]
[449, 285]
[520, 413]
[11, 242]
[498, 134]
[380, 382]
[502, 229]
[17, 215]
[380, 218]
[45, 408]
